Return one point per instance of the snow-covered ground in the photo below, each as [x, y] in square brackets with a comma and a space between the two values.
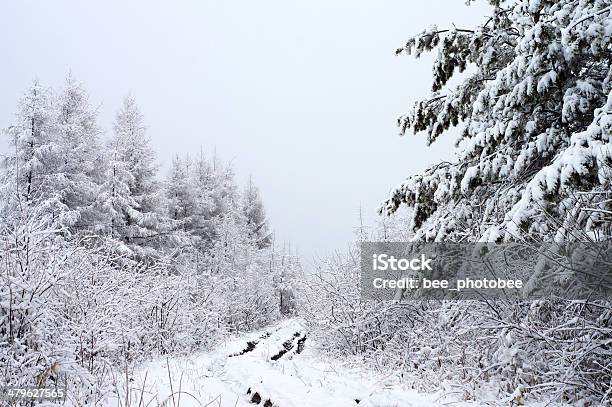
[273, 367]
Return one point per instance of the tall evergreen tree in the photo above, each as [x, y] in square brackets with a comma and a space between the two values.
[80, 166]
[132, 195]
[536, 112]
[534, 164]
[217, 197]
[33, 140]
[255, 215]
[203, 182]
[180, 192]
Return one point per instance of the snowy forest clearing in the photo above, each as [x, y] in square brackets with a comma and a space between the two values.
[272, 367]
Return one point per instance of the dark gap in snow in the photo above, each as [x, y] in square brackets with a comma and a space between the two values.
[287, 345]
[357, 401]
[250, 346]
[300, 344]
[256, 398]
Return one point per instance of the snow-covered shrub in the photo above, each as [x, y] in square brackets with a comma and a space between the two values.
[32, 265]
[330, 301]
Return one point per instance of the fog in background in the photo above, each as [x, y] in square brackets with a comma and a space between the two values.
[302, 95]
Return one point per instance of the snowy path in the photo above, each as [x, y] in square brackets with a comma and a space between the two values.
[274, 367]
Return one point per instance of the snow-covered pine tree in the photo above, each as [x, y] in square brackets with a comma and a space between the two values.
[255, 215]
[226, 194]
[534, 158]
[217, 198]
[33, 143]
[180, 192]
[80, 159]
[203, 180]
[132, 194]
[115, 199]
[201, 195]
[534, 163]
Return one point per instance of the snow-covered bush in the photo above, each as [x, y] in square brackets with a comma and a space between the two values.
[342, 323]
[33, 264]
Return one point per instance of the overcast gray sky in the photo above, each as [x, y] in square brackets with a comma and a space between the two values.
[303, 95]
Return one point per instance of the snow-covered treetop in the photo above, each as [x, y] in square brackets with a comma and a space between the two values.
[536, 114]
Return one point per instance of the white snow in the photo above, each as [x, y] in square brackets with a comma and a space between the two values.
[224, 377]
[470, 174]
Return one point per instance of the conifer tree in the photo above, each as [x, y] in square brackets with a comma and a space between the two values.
[255, 214]
[33, 141]
[132, 194]
[536, 113]
[80, 161]
[180, 192]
